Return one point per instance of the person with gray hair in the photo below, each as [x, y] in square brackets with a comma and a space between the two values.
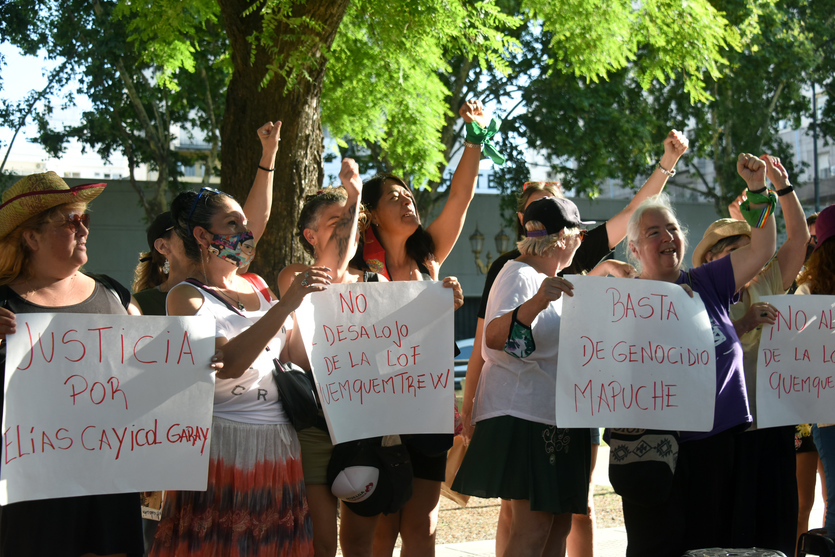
[698, 510]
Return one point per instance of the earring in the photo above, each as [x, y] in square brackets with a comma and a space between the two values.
[166, 267]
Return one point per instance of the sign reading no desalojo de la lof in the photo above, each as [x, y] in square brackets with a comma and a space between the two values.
[634, 354]
[382, 356]
[106, 404]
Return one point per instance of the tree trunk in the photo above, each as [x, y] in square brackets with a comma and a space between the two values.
[298, 166]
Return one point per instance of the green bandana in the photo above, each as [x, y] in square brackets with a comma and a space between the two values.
[477, 134]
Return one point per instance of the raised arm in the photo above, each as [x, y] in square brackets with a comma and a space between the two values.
[338, 250]
[792, 253]
[260, 199]
[447, 227]
[749, 260]
[675, 144]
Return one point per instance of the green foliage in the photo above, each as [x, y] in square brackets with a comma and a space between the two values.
[385, 81]
[593, 38]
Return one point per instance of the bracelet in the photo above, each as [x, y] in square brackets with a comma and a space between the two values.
[266, 169]
[784, 191]
[472, 145]
[669, 173]
[759, 191]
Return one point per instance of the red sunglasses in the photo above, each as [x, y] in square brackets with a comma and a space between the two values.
[74, 222]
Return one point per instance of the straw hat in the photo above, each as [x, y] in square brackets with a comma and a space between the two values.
[37, 193]
[723, 228]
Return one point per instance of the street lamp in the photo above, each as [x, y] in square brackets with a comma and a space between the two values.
[477, 243]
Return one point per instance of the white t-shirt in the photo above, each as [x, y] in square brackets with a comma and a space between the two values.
[521, 387]
[253, 397]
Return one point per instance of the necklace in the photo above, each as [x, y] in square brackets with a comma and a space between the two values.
[236, 299]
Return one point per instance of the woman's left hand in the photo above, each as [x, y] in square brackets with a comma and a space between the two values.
[473, 110]
[270, 134]
[457, 290]
[314, 279]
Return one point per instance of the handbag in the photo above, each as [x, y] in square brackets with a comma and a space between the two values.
[454, 458]
[297, 392]
[642, 463]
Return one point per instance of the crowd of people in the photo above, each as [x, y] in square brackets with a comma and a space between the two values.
[269, 486]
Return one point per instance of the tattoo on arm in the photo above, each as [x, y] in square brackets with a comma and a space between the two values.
[342, 232]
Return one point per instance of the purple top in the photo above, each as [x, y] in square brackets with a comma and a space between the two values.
[715, 284]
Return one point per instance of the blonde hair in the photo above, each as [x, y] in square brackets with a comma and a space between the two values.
[543, 245]
[15, 251]
[149, 271]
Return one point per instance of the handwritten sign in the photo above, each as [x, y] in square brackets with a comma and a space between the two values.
[382, 357]
[106, 404]
[636, 354]
[796, 362]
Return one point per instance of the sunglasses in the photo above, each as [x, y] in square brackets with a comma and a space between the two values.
[583, 234]
[204, 190]
[74, 222]
[813, 240]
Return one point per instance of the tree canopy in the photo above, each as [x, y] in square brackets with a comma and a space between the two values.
[383, 74]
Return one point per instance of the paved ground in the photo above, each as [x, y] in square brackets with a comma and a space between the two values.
[608, 542]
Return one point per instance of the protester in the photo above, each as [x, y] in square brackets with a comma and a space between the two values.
[809, 465]
[164, 265]
[762, 517]
[698, 512]
[517, 452]
[328, 228]
[398, 247]
[255, 503]
[598, 244]
[819, 278]
[44, 229]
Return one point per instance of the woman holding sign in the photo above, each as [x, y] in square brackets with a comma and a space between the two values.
[698, 512]
[397, 246]
[44, 228]
[255, 503]
[819, 278]
[517, 452]
[762, 517]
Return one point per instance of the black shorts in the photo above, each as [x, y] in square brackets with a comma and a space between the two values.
[426, 467]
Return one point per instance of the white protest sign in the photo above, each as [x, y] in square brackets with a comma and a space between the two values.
[634, 354]
[382, 356]
[795, 367]
[106, 404]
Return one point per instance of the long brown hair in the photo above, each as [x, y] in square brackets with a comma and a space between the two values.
[819, 272]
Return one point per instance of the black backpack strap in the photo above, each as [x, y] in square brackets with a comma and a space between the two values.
[122, 294]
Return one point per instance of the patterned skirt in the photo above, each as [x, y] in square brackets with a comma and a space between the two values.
[255, 503]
